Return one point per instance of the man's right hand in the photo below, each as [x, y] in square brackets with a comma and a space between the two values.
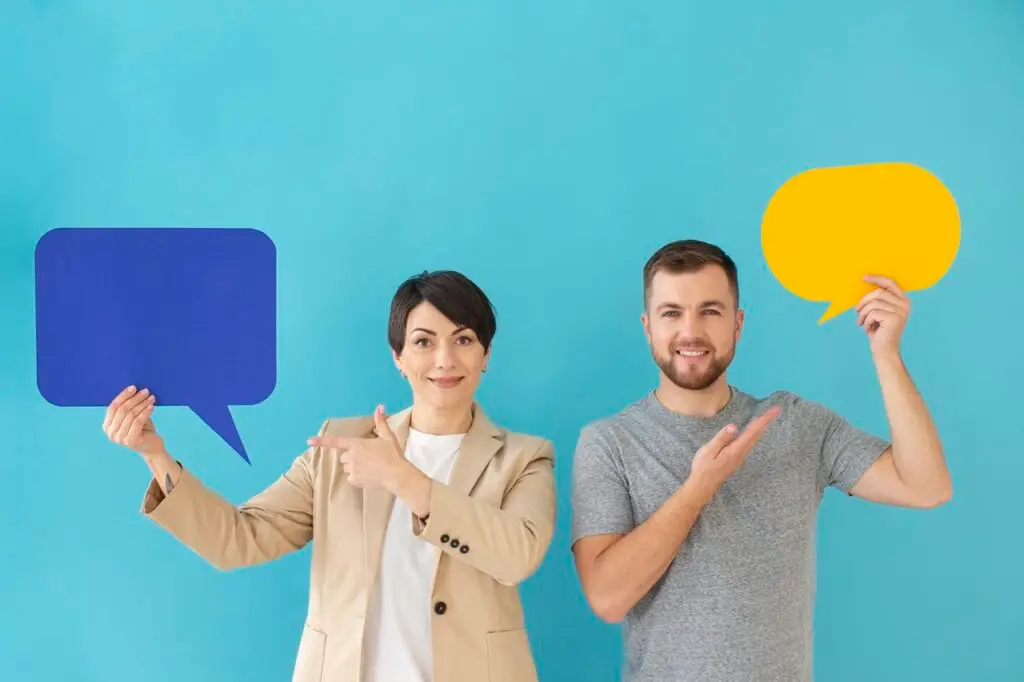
[723, 455]
[129, 422]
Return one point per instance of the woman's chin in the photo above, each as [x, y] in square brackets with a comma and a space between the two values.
[446, 395]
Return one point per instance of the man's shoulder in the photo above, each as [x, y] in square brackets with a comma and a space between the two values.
[605, 433]
[624, 418]
[796, 408]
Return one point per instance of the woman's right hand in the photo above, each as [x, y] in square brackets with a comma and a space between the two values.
[129, 422]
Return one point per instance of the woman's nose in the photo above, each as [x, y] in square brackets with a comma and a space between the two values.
[444, 357]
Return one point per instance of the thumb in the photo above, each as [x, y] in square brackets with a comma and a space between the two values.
[380, 418]
[725, 436]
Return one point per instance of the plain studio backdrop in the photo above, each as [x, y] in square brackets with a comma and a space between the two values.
[545, 149]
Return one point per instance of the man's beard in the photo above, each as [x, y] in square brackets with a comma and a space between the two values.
[676, 368]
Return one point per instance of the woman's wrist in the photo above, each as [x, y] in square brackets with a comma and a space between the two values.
[165, 469]
[412, 486]
[157, 457]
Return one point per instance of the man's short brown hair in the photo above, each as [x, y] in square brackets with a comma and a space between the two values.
[690, 255]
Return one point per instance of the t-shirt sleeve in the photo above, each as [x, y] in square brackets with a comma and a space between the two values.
[600, 493]
[846, 450]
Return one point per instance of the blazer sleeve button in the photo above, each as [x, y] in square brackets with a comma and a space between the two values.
[445, 538]
[440, 607]
[464, 549]
[455, 543]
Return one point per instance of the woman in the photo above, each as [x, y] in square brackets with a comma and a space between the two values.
[422, 523]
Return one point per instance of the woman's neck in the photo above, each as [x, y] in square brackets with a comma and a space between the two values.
[439, 421]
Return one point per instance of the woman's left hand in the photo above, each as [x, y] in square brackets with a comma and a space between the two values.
[370, 462]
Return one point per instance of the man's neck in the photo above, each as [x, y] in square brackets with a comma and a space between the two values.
[705, 403]
[441, 421]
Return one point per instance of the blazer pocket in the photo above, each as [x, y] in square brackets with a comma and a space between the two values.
[509, 657]
[309, 661]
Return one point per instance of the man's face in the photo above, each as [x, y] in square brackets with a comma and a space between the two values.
[692, 324]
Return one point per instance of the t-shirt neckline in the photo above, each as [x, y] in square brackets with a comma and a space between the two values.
[729, 412]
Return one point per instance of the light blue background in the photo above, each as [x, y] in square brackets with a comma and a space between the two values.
[546, 149]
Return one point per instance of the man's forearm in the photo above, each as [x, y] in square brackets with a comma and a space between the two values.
[630, 567]
[916, 446]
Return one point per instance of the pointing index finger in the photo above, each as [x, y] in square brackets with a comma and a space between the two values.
[756, 428]
[331, 441]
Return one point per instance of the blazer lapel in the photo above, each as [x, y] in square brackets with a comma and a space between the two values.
[377, 506]
[482, 441]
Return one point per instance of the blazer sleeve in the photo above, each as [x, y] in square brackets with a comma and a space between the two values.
[274, 522]
[507, 542]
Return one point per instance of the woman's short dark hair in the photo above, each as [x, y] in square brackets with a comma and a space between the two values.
[456, 296]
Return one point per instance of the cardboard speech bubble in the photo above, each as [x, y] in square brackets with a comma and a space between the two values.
[825, 229]
[189, 313]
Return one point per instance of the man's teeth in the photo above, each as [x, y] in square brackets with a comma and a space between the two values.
[692, 353]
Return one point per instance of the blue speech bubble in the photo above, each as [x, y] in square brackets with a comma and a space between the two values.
[189, 313]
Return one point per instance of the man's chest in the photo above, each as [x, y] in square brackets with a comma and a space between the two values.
[778, 479]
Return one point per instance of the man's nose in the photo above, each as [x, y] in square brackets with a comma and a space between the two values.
[691, 324]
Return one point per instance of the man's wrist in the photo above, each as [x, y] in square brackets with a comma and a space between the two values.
[888, 358]
[698, 490]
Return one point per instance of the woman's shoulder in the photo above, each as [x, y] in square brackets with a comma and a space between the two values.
[518, 441]
[530, 444]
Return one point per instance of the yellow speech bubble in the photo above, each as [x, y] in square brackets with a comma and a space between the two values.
[826, 228]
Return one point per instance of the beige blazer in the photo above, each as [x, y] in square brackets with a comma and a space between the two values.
[493, 523]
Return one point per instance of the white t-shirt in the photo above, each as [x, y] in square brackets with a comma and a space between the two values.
[398, 644]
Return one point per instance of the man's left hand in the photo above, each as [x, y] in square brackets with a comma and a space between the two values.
[883, 315]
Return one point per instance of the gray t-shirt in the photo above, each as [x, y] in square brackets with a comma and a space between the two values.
[736, 604]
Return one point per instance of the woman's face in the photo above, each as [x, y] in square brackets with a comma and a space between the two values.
[441, 360]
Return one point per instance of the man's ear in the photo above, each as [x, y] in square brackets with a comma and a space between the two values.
[645, 321]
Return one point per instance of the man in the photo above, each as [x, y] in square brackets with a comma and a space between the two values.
[695, 507]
